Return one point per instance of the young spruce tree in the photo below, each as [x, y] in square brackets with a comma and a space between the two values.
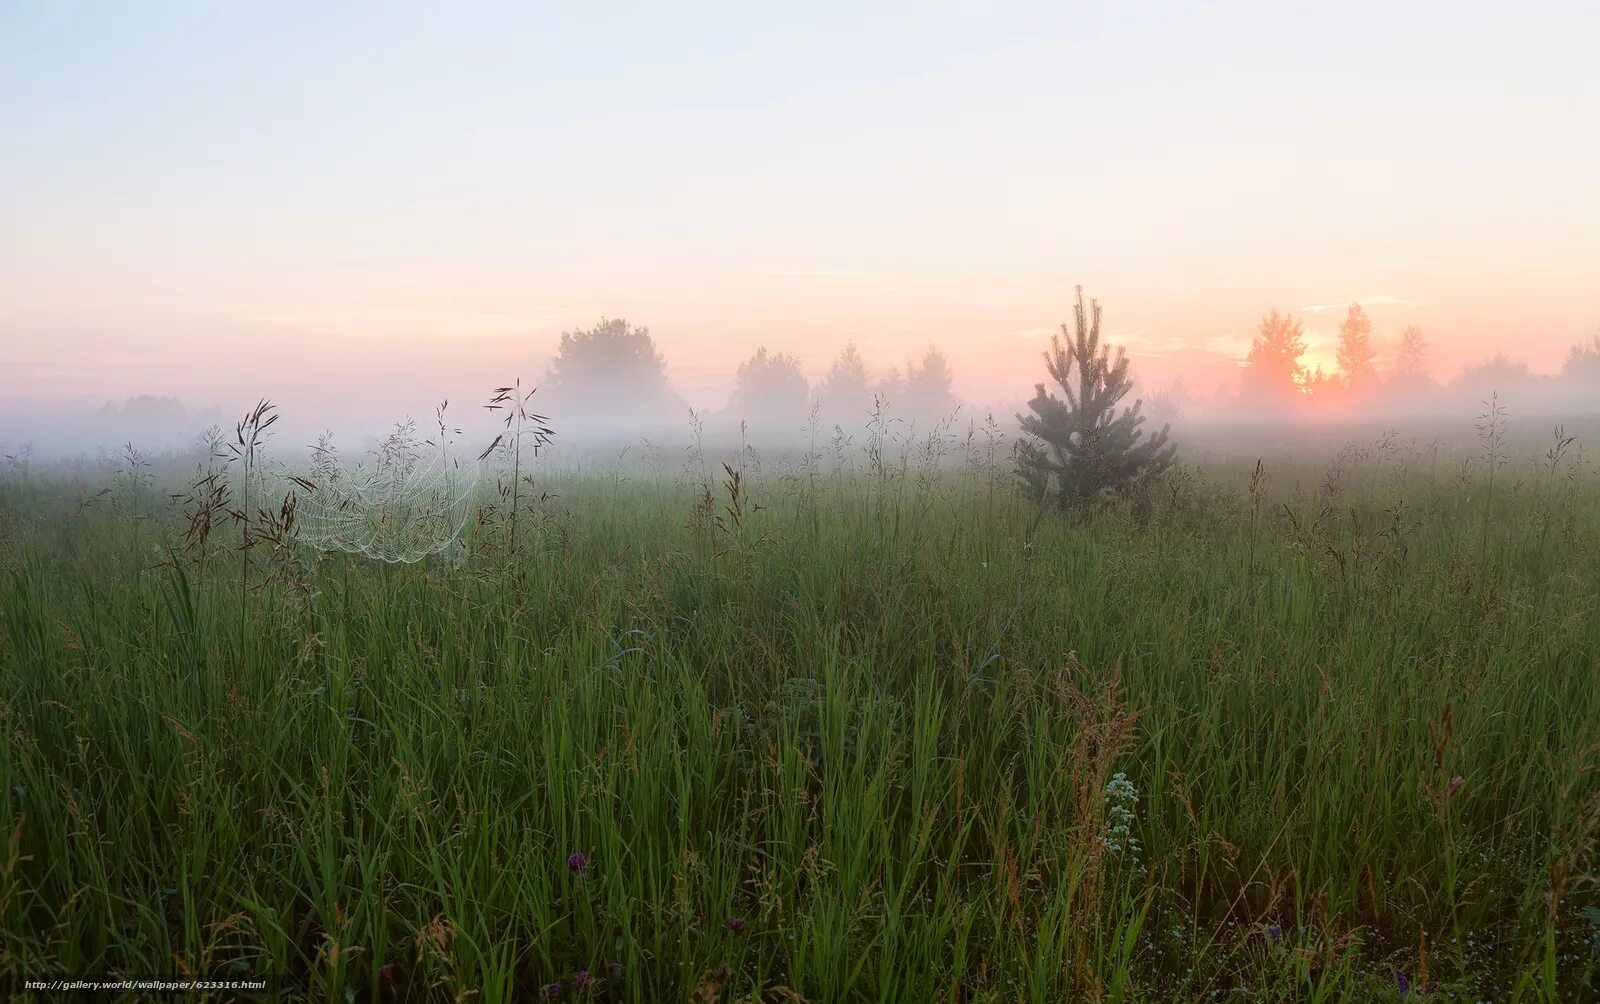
[1087, 445]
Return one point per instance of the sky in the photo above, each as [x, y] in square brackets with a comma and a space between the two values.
[373, 205]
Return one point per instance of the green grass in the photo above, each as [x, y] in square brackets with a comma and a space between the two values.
[875, 718]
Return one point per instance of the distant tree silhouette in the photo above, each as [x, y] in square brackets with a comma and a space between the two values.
[1273, 374]
[891, 387]
[1169, 405]
[1583, 363]
[1356, 352]
[846, 391]
[1086, 445]
[928, 394]
[613, 374]
[1320, 387]
[771, 393]
[147, 418]
[147, 409]
[1411, 358]
[1499, 373]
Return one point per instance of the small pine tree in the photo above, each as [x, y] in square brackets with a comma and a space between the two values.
[1086, 445]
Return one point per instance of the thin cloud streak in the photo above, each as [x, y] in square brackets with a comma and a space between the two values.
[818, 274]
[1376, 299]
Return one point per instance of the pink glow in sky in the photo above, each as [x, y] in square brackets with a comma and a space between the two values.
[220, 201]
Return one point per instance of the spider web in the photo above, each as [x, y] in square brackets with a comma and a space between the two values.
[412, 500]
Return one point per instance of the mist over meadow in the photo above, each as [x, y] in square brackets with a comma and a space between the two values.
[800, 504]
[608, 388]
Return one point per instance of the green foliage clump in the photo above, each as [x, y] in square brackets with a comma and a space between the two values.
[1086, 446]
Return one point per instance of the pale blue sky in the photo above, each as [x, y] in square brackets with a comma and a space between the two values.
[461, 182]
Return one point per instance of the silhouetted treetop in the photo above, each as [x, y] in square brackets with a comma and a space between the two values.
[611, 371]
[1583, 362]
[928, 393]
[146, 408]
[1499, 372]
[845, 393]
[1410, 371]
[770, 390]
[1273, 373]
[1355, 350]
[1086, 444]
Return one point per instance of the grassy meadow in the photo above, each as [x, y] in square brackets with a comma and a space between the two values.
[863, 723]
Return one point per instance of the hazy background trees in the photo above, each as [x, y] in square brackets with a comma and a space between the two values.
[1499, 372]
[1410, 372]
[1583, 364]
[153, 420]
[1273, 375]
[1356, 352]
[845, 394]
[610, 376]
[771, 394]
[929, 397]
[1276, 381]
[608, 385]
[920, 396]
[1171, 403]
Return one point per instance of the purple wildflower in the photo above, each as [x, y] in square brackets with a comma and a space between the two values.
[580, 979]
[736, 924]
[1456, 783]
[1274, 932]
[576, 862]
[1402, 982]
[722, 974]
[552, 990]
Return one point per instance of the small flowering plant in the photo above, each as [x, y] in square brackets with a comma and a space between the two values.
[1121, 816]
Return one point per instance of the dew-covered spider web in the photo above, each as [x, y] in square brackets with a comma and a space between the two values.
[409, 498]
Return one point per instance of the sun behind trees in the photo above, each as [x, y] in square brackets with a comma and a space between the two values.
[1273, 373]
[1275, 380]
[1086, 445]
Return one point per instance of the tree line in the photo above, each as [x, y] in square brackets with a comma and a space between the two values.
[1275, 376]
[1074, 448]
[613, 376]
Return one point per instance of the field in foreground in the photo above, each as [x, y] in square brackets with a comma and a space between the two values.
[832, 731]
